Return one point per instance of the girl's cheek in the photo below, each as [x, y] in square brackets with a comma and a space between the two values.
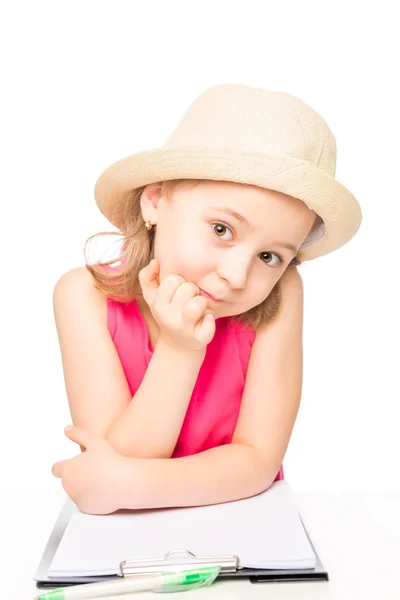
[192, 248]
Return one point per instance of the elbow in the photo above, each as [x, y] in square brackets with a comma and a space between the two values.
[114, 438]
[266, 477]
[263, 472]
[134, 450]
[144, 453]
[149, 450]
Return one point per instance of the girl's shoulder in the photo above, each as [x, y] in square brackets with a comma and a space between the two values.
[77, 280]
[75, 291]
[288, 322]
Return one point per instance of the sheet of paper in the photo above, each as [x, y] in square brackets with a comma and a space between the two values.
[264, 531]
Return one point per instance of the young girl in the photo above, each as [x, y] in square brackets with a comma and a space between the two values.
[189, 346]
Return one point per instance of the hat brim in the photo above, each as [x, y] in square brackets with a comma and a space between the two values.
[335, 204]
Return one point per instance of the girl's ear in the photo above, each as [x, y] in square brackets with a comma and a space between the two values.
[149, 200]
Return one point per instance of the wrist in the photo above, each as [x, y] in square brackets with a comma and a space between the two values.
[181, 352]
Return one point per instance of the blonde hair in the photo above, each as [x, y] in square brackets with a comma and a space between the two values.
[122, 284]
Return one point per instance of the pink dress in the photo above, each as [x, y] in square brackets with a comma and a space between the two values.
[215, 402]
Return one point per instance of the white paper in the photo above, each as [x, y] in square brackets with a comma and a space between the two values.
[264, 531]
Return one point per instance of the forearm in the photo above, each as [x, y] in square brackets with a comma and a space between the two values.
[150, 425]
[221, 474]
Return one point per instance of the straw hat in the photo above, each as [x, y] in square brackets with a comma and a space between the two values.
[248, 135]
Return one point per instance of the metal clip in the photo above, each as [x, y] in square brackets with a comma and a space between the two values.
[178, 560]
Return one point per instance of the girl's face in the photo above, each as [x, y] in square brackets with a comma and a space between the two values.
[235, 259]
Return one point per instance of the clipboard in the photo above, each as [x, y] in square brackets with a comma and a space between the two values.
[175, 559]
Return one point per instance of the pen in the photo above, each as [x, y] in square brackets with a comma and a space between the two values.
[166, 581]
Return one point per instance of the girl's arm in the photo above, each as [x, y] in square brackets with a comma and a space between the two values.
[221, 474]
[150, 425]
[98, 394]
[268, 412]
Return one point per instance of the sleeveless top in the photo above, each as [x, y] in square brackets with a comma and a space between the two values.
[214, 406]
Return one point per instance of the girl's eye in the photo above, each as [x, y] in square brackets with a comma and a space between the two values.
[220, 227]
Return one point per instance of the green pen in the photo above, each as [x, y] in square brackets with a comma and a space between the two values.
[177, 581]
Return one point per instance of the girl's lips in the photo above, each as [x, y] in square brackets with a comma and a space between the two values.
[203, 293]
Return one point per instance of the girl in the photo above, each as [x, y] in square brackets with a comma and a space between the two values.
[189, 346]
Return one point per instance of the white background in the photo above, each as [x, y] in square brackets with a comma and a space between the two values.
[87, 83]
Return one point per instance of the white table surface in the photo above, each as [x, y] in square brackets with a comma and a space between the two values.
[356, 534]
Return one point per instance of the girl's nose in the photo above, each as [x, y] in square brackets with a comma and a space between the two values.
[235, 270]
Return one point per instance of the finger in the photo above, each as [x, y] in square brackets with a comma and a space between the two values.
[194, 309]
[167, 289]
[58, 467]
[148, 279]
[185, 292]
[81, 436]
[205, 329]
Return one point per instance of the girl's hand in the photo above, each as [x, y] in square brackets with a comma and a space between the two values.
[93, 479]
[178, 309]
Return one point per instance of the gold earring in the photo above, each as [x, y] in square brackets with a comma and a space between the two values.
[148, 225]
